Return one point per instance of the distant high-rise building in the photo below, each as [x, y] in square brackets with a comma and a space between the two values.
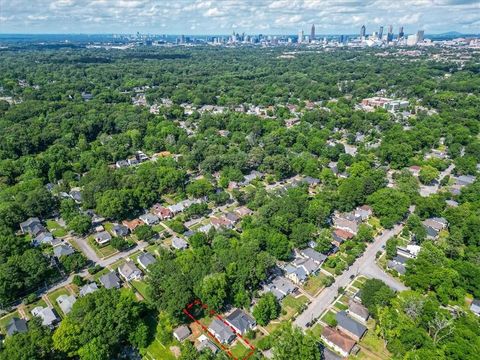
[312, 33]
[401, 34]
[380, 32]
[363, 31]
[300, 36]
[420, 35]
[390, 33]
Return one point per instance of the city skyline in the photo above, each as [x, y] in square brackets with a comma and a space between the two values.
[198, 17]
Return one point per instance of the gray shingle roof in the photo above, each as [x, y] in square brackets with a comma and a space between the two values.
[146, 259]
[16, 325]
[110, 280]
[349, 324]
[240, 321]
[88, 289]
[63, 250]
[222, 331]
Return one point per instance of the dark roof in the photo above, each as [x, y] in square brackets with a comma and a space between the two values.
[349, 324]
[240, 320]
[221, 331]
[16, 325]
[146, 259]
[110, 280]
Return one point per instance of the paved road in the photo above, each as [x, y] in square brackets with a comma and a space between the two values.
[366, 265]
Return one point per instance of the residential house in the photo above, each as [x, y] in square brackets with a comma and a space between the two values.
[433, 226]
[451, 203]
[337, 341]
[66, 302]
[88, 289]
[102, 237]
[309, 265]
[133, 161]
[415, 170]
[179, 243]
[243, 211]
[222, 332]
[232, 218]
[329, 354]
[205, 228]
[464, 180]
[221, 222]
[145, 260]
[162, 212]
[241, 321]
[411, 251]
[76, 195]
[181, 333]
[364, 212]
[150, 219]
[121, 163]
[297, 274]
[129, 271]
[475, 307]
[205, 343]
[110, 280]
[32, 226]
[347, 221]
[176, 208]
[357, 311]
[119, 230]
[133, 224]
[63, 250]
[350, 327]
[44, 238]
[280, 287]
[247, 179]
[16, 326]
[339, 236]
[46, 314]
[309, 253]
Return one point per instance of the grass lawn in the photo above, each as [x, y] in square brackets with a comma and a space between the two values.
[6, 319]
[55, 228]
[316, 331]
[375, 344]
[340, 306]
[239, 350]
[157, 351]
[314, 284]
[294, 303]
[100, 274]
[32, 306]
[53, 299]
[141, 287]
[329, 318]
[158, 228]
[102, 252]
[358, 284]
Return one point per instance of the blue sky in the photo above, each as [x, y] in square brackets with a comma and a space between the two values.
[225, 16]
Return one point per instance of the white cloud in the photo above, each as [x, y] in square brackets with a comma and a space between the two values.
[214, 16]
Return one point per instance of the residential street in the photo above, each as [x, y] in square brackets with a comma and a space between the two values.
[364, 265]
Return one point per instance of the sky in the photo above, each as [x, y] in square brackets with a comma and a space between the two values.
[195, 17]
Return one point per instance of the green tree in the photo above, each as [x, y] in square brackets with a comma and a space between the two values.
[428, 174]
[267, 308]
[390, 205]
[291, 343]
[213, 290]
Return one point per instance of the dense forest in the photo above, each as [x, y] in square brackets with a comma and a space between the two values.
[52, 138]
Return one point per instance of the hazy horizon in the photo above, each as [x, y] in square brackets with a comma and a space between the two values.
[221, 17]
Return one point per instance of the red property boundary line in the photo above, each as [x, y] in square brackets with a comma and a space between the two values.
[213, 313]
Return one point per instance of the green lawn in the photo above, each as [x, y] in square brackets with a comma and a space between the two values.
[141, 286]
[53, 299]
[55, 228]
[375, 344]
[316, 331]
[32, 306]
[358, 284]
[6, 319]
[329, 318]
[157, 351]
[239, 350]
[340, 306]
[294, 303]
[102, 252]
[314, 284]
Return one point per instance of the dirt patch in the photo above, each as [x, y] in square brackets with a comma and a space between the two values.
[196, 330]
[175, 350]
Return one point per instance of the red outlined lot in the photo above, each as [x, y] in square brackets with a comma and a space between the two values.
[188, 312]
